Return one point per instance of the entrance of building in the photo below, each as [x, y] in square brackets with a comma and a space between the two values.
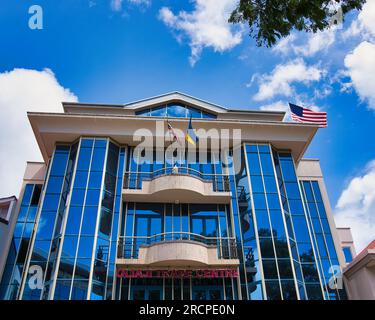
[146, 293]
[208, 293]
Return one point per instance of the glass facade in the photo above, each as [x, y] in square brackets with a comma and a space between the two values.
[79, 224]
[11, 280]
[175, 110]
[150, 223]
[329, 265]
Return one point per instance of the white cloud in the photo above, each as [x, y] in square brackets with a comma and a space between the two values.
[361, 69]
[279, 81]
[140, 2]
[23, 90]
[276, 106]
[116, 5]
[356, 207]
[206, 26]
[364, 25]
[306, 45]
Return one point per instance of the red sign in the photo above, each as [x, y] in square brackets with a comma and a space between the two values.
[178, 273]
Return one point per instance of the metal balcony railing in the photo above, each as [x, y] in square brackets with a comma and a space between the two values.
[133, 180]
[127, 247]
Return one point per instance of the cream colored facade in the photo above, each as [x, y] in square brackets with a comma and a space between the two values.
[359, 275]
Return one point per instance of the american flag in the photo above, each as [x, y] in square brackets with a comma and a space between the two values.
[172, 132]
[305, 115]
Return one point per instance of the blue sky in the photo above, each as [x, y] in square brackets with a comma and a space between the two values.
[114, 51]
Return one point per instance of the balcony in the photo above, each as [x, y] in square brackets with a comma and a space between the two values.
[180, 184]
[177, 250]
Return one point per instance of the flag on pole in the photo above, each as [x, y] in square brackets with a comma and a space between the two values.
[172, 132]
[305, 115]
[190, 134]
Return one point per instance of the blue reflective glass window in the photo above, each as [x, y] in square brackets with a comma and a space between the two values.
[273, 290]
[84, 159]
[263, 148]
[321, 246]
[254, 165]
[100, 143]
[325, 225]
[308, 191]
[22, 213]
[263, 224]
[285, 269]
[266, 248]
[87, 143]
[317, 193]
[80, 179]
[159, 111]
[310, 274]
[289, 290]
[89, 220]
[257, 184]
[62, 290]
[331, 247]
[322, 211]
[270, 269]
[144, 112]
[176, 110]
[277, 223]
[281, 246]
[306, 253]
[46, 225]
[54, 184]
[259, 201]
[273, 201]
[79, 290]
[288, 170]
[267, 166]
[32, 214]
[27, 194]
[74, 220]
[300, 229]
[95, 180]
[312, 210]
[59, 162]
[292, 190]
[317, 226]
[85, 247]
[69, 247]
[92, 197]
[296, 207]
[98, 159]
[18, 229]
[51, 201]
[252, 148]
[28, 229]
[314, 292]
[78, 197]
[270, 184]
[208, 115]
[194, 113]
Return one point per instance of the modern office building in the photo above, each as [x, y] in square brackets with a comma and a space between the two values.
[124, 208]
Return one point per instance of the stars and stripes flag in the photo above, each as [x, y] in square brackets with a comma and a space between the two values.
[305, 115]
[172, 132]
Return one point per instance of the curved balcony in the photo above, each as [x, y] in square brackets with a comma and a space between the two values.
[179, 184]
[176, 249]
